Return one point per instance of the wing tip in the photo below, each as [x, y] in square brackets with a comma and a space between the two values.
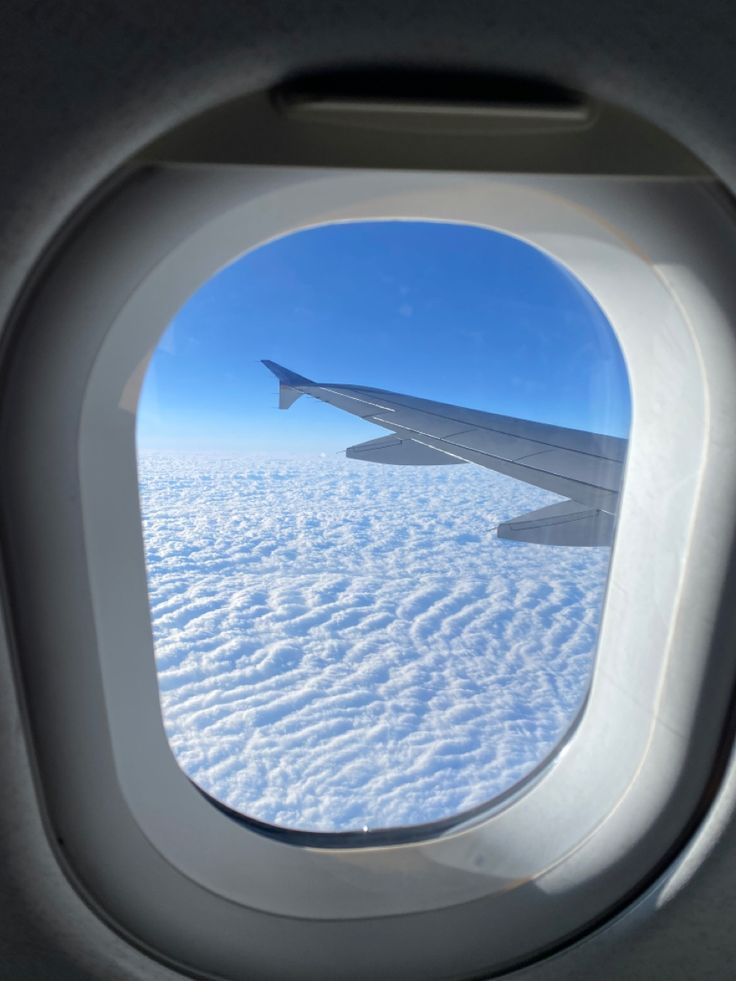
[289, 382]
[285, 375]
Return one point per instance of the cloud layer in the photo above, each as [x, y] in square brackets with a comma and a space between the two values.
[344, 645]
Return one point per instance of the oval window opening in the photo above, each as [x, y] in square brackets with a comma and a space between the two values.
[394, 636]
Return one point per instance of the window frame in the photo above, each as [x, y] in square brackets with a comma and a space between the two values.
[654, 254]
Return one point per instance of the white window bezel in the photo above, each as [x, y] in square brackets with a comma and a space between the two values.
[654, 254]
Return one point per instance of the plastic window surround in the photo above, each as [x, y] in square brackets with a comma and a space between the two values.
[146, 848]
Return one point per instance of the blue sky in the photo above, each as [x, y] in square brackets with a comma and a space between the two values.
[441, 311]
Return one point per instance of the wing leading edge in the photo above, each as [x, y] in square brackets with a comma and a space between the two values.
[586, 468]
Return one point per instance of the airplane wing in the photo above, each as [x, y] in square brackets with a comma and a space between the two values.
[586, 468]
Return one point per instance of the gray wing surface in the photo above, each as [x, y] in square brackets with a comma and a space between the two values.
[586, 468]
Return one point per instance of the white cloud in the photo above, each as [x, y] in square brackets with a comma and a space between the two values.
[341, 644]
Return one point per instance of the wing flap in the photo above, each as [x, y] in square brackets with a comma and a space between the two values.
[391, 449]
[564, 523]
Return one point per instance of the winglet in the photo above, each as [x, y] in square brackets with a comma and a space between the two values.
[288, 383]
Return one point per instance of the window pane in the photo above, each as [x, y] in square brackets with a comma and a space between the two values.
[347, 643]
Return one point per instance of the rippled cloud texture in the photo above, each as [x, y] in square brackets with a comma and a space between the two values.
[344, 645]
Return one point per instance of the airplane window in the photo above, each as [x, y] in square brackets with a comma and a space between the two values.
[397, 634]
